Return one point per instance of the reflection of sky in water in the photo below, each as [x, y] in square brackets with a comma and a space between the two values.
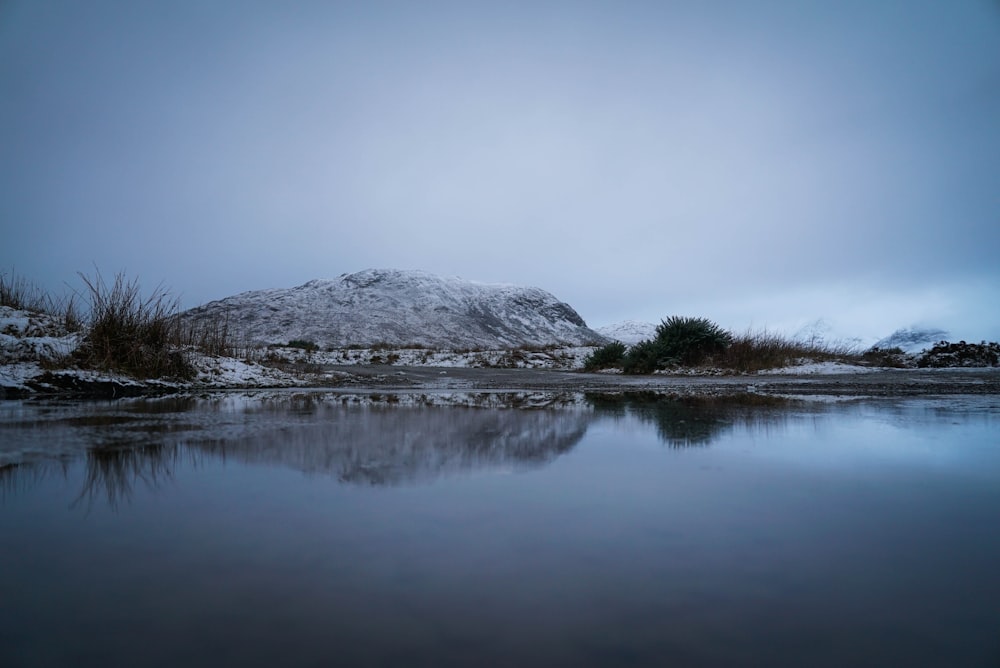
[861, 533]
[947, 435]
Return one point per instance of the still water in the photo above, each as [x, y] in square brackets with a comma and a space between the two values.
[301, 529]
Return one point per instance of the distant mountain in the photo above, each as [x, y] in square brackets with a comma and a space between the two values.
[912, 339]
[401, 308]
[628, 331]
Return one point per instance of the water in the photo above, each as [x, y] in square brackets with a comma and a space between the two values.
[323, 529]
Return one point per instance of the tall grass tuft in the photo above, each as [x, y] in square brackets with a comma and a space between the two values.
[131, 334]
[125, 332]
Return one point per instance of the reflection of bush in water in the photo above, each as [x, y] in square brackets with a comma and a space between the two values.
[114, 472]
[683, 421]
[17, 479]
[111, 473]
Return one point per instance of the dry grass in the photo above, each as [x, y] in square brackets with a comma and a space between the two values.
[758, 350]
[215, 337]
[130, 333]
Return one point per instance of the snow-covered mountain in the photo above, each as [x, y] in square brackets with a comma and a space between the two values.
[912, 339]
[401, 308]
[628, 331]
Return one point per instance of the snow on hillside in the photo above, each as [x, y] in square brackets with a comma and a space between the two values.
[628, 331]
[401, 308]
[912, 339]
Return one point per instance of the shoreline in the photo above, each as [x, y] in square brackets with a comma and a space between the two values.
[880, 382]
[401, 379]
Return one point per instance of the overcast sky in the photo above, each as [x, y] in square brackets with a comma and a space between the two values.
[758, 163]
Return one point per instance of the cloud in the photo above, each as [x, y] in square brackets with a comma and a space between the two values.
[769, 163]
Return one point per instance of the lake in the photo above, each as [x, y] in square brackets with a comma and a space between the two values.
[313, 529]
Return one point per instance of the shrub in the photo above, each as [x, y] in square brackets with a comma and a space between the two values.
[679, 341]
[606, 356]
[309, 346]
[961, 354]
[643, 357]
[689, 341]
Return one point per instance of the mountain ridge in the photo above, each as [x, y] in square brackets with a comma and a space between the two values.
[401, 308]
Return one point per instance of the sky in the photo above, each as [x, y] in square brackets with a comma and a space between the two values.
[762, 164]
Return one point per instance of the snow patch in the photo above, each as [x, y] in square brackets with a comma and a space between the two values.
[819, 369]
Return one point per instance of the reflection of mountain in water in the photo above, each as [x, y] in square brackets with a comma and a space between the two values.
[374, 442]
[358, 439]
[379, 445]
[694, 420]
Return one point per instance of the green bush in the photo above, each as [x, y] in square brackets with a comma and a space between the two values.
[643, 357]
[688, 341]
[309, 346]
[679, 341]
[606, 356]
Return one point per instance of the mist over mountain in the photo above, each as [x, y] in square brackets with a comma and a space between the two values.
[400, 308]
[912, 339]
[628, 332]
